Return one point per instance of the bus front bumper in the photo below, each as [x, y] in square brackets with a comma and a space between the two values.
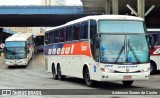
[124, 76]
[16, 62]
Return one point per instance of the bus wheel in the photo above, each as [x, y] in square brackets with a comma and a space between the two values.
[60, 76]
[54, 72]
[87, 79]
[152, 67]
[127, 83]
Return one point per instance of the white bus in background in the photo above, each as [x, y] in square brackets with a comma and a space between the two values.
[155, 51]
[99, 48]
[19, 49]
[39, 42]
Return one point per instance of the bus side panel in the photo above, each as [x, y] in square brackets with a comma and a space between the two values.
[72, 65]
[156, 59]
[155, 55]
[49, 62]
[77, 64]
[54, 59]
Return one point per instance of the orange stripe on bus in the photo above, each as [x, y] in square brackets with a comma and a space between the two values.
[79, 48]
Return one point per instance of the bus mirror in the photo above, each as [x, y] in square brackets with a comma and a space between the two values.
[91, 42]
[151, 41]
[97, 41]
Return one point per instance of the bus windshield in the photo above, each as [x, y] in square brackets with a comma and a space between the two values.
[111, 26]
[124, 48]
[15, 53]
[15, 44]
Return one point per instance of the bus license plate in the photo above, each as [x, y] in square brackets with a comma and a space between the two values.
[127, 77]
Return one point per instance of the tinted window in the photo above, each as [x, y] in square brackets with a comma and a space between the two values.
[76, 32]
[56, 36]
[84, 30]
[62, 35]
[69, 33]
[39, 40]
[51, 37]
[46, 38]
[93, 28]
[156, 37]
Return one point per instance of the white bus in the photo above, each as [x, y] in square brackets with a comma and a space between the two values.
[155, 51]
[39, 42]
[18, 49]
[99, 48]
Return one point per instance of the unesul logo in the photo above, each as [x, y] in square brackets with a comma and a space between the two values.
[64, 50]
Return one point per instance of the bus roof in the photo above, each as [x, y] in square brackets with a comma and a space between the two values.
[100, 17]
[19, 37]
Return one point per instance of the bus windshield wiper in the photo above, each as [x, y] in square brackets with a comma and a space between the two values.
[134, 54]
[120, 52]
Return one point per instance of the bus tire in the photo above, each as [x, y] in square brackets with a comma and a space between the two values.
[127, 83]
[60, 76]
[54, 72]
[153, 67]
[87, 79]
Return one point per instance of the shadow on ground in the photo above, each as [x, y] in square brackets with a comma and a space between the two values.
[101, 85]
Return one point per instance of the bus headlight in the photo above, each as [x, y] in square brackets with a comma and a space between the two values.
[107, 70]
[25, 61]
[146, 70]
[6, 60]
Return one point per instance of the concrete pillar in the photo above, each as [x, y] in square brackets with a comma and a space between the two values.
[141, 8]
[115, 7]
[107, 6]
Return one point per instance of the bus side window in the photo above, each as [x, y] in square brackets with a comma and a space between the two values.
[51, 37]
[56, 36]
[76, 32]
[62, 35]
[84, 30]
[46, 38]
[69, 33]
[93, 28]
[154, 38]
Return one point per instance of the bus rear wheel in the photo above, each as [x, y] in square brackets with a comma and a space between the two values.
[127, 83]
[54, 72]
[87, 79]
[60, 76]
